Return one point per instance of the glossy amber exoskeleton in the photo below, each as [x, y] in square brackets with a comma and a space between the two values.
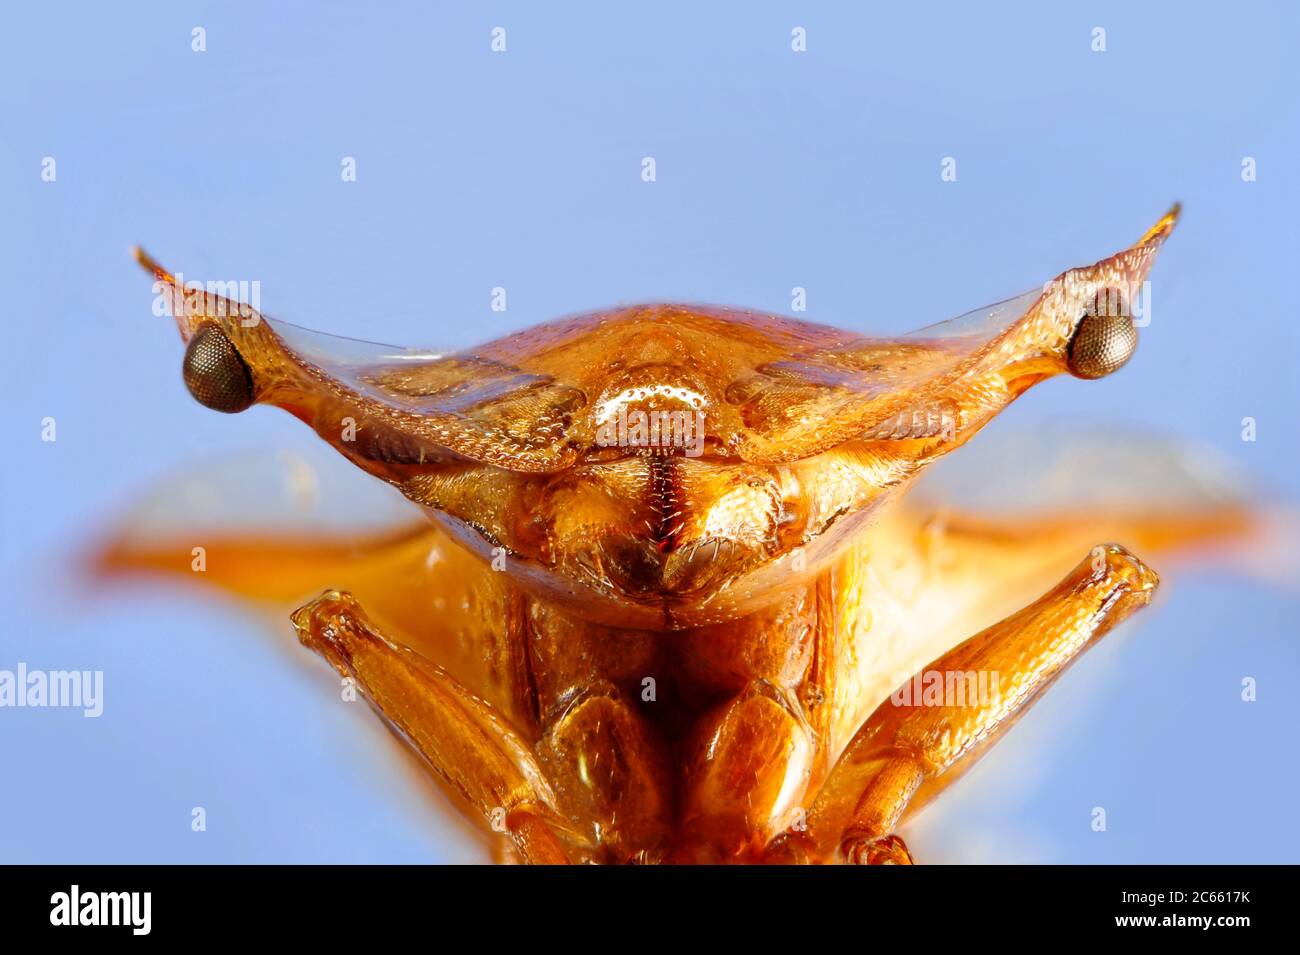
[668, 605]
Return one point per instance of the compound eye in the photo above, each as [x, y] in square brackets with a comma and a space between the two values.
[1103, 342]
[214, 372]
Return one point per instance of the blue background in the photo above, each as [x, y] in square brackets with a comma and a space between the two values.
[522, 170]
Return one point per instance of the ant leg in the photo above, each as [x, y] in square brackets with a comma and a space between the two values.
[744, 764]
[929, 732]
[608, 768]
[462, 739]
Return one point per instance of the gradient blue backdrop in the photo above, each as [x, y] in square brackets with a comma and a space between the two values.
[521, 170]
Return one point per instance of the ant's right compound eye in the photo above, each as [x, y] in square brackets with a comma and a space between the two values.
[1103, 342]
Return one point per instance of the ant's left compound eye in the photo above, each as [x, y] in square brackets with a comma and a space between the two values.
[214, 372]
[1103, 342]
